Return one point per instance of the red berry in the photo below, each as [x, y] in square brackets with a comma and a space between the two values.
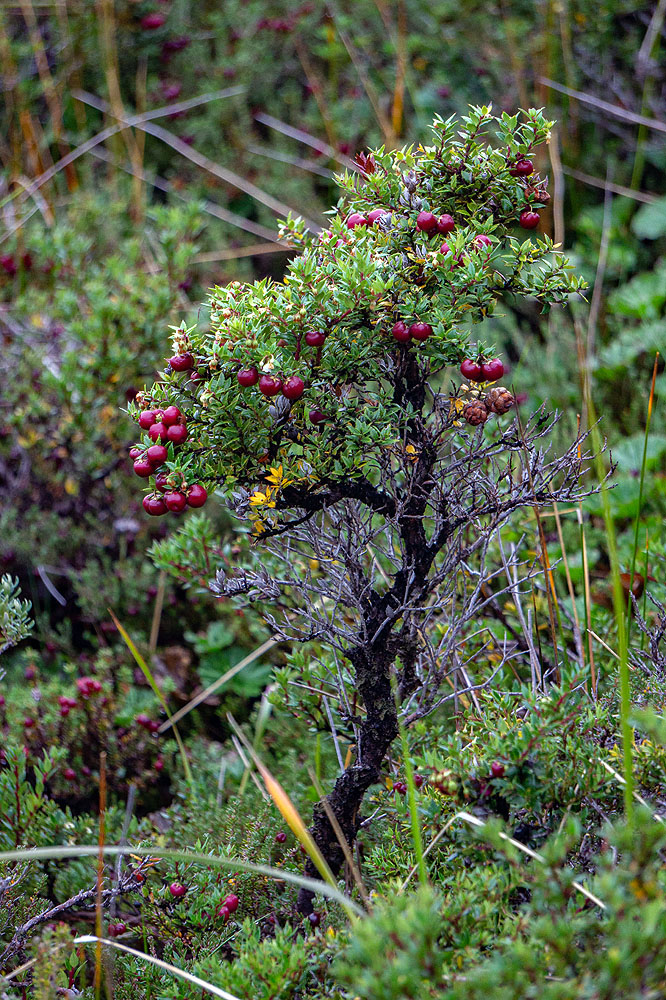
[69, 773]
[471, 370]
[115, 930]
[316, 417]
[400, 332]
[135, 452]
[175, 501]
[231, 902]
[281, 837]
[223, 912]
[356, 219]
[426, 222]
[315, 338]
[159, 764]
[293, 387]
[400, 787]
[492, 370]
[196, 495]
[497, 769]
[154, 505]
[521, 168]
[375, 215]
[314, 919]
[177, 433]
[177, 890]
[420, 331]
[529, 220]
[148, 418]
[8, 264]
[445, 248]
[418, 780]
[142, 720]
[158, 431]
[445, 224]
[153, 726]
[152, 21]
[64, 711]
[482, 240]
[157, 454]
[171, 415]
[29, 722]
[269, 385]
[162, 481]
[181, 362]
[247, 377]
[2, 701]
[143, 467]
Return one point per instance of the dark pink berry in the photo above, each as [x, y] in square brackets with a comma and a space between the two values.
[314, 919]
[400, 332]
[177, 433]
[135, 452]
[471, 370]
[143, 467]
[420, 331]
[293, 387]
[445, 248]
[247, 377]
[115, 930]
[196, 495]
[29, 722]
[157, 432]
[426, 222]
[171, 415]
[529, 220]
[181, 362]
[157, 454]
[497, 769]
[269, 385]
[69, 774]
[223, 912]
[162, 482]
[231, 902]
[481, 240]
[148, 418]
[445, 224]
[375, 215]
[177, 890]
[154, 505]
[175, 501]
[521, 168]
[150, 22]
[315, 338]
[281, 837]
[316, 417]
[159, 764]
[356, 219]
[492, 370]
[8, 264]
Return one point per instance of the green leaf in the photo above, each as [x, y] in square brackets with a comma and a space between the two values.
[649, 223]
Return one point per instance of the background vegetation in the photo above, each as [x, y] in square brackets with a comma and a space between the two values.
[148, 150]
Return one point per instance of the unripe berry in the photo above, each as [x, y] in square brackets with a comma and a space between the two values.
[247, 377]
[445, 224]
[528, 219]
[521, 168]
[269, 385]
[356, 219]
[181, 362]
[175, 501]
[148, 418]
[171, 415]
[157, 454]
[177, 890]
[315, 338]
[426, 222]
[420, 331]
[492, 370]
[471, 370]
[154, 505]
[143, 467]
[400, 332]
[293, 387]
[158, 432]
[196, 495]
[177, 433]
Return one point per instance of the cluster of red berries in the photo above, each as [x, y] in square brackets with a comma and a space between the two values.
[292, 387]
[164, 426]
[482, 371]
[143, 720]
[228, 906]
[416, 331]
[401, 786]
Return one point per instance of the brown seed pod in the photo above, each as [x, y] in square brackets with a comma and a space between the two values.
[499, 400]
[475, 412]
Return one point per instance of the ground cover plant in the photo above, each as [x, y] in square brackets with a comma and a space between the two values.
[381, 573]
